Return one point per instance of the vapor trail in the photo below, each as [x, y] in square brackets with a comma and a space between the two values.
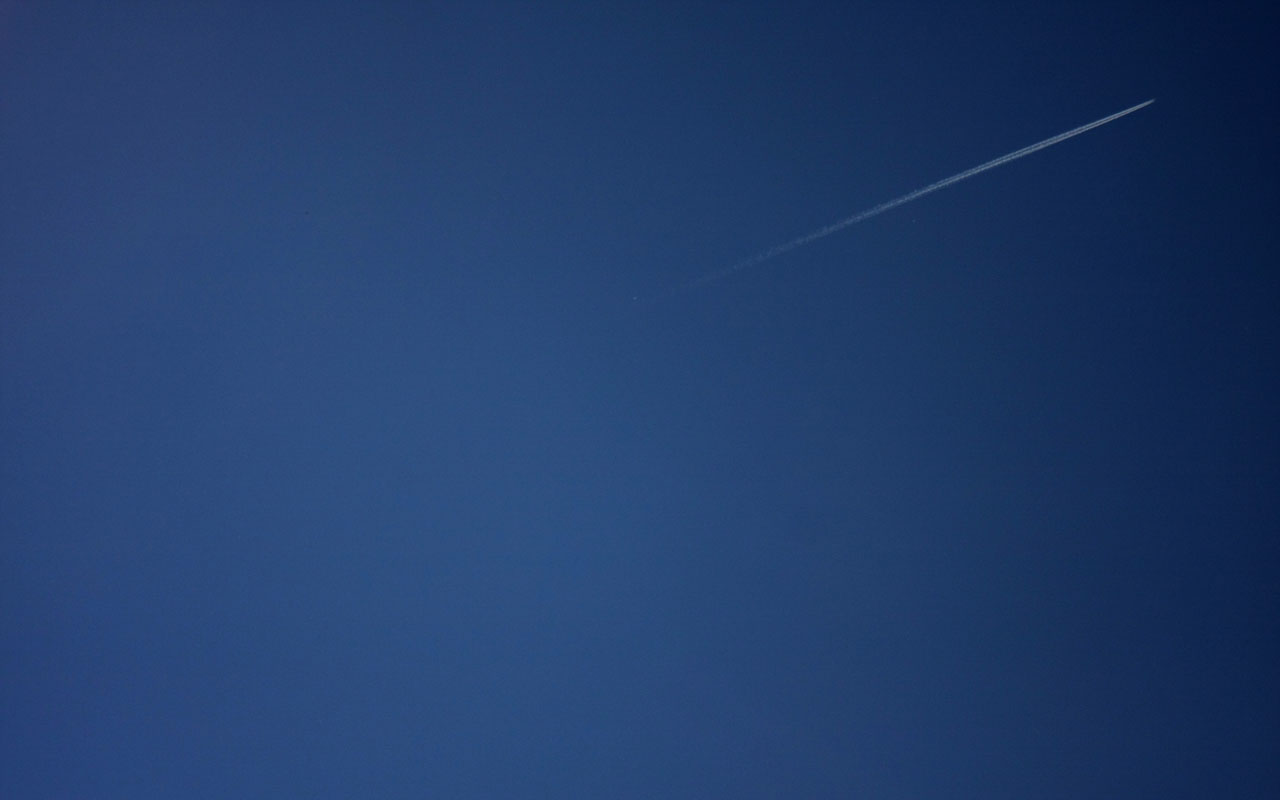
[774, 252]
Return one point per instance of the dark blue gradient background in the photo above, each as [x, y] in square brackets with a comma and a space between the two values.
[339, 462]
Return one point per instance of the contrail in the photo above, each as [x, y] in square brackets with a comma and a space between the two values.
[774, 252]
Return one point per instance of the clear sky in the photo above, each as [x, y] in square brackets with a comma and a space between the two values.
[339, 461]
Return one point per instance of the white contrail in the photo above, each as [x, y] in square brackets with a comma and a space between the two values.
[774, 252]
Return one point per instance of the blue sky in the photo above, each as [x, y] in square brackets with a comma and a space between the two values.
[339, 460]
